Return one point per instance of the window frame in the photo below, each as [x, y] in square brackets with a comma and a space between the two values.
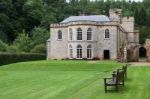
[70, 37]
[79, 52]
[89, 52]
[59, 35]
[89, 30]
[107, 34]
[70, 52]
[79, 34]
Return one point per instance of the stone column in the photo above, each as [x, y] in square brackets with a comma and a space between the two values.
[147, 47]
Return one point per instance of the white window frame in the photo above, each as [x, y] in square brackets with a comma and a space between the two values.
[70, 34]
[79, 52]
[81, 34]
[70, 52]
[89, 30]
[89, 52]
[58, 34]
[107, 34]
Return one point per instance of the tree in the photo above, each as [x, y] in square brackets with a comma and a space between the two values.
[23, 42]
[142, 16]
[39, 35]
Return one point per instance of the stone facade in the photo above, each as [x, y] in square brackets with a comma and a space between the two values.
[121, 35]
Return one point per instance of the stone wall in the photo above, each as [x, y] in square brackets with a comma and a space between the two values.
[59, 48]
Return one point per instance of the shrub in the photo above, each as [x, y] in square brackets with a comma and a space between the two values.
[13, 49]
[23, 42]
[41, 48]
[7, 58]
[3, 46]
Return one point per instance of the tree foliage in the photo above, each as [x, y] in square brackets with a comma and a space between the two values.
[35, 16]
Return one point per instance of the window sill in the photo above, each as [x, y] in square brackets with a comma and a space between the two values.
[79, 58]
[59, 39]
[89, 40]
[106, 38]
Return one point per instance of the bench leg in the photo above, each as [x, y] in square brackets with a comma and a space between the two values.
[105, 89]
[116, 88]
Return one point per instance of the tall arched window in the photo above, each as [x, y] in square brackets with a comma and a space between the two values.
[70, 34]
[89, 34]
[59, 35]
[70, 54]
[79, 52]
[89, 52]
[79, 34]
[107, 33]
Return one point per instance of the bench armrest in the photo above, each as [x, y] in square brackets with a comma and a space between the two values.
[108, 78]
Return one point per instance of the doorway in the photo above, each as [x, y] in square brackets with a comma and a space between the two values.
[106, 54]
[142, 54]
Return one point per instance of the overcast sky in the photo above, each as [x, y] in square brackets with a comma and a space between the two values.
[121, 0]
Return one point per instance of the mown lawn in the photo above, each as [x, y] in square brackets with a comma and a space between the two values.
[69, 80]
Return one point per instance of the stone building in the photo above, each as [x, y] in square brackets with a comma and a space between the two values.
[93, 37]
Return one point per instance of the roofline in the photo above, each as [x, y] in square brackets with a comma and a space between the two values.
[105, 23]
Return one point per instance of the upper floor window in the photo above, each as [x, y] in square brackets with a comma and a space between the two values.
[70, 34]
[59, 35]
[79, 34]
[89, 34]
[107, 34]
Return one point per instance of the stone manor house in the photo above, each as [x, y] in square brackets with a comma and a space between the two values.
[94, 37]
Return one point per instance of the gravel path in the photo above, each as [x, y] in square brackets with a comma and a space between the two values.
[140, 63]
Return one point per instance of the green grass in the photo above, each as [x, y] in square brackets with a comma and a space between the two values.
[69, 80]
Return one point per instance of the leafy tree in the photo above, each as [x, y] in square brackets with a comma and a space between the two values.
[23, 42]
[39, 35]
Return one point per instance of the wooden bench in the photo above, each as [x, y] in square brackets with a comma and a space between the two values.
[124, 68]
[115, 81]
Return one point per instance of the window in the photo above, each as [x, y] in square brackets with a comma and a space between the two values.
[79, 34]
[79, 52]
[106, 33]
[59, 35]
[70, 52]
[70, 34]
[89, 34]
[89, 52]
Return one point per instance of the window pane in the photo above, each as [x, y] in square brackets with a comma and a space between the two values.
[89, 52]
[106, 33]
[79, 34]
[70, 34]
[59, 35]
[79, 51]
[89, 34]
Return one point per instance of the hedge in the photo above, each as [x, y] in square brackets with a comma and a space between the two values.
[7, 58]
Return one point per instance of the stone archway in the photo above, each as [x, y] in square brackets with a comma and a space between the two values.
[142, 52]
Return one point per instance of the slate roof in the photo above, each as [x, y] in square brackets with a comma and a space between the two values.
[96, 18]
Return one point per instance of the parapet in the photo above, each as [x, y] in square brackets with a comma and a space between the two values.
[83, 23]
[131, 19]
[116, 10]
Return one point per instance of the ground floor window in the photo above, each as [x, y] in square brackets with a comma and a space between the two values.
[89, 52]
[70, 52]
[79, 52]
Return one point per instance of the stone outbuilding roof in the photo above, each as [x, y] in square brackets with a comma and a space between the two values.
[96, 18]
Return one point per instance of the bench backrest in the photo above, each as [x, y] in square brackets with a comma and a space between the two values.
[124, 68]
[120, 76]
